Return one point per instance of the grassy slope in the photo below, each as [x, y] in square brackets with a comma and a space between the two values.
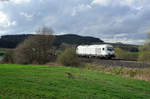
[36, 82]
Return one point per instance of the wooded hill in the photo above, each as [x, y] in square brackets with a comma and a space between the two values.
[11, 41]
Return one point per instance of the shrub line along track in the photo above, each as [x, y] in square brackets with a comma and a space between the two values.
[115, 62]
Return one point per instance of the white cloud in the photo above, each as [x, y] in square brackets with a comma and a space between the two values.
[83, 7]
[121, 35]
[1, 5]
[49, 21]
[61, 33]
[80, 8]
[74, 12]
[20, 1]
[3, 32]
[124, 40]
[26, 15]
[137, 4]
[127, 2]
[101, 2]
[4, 20]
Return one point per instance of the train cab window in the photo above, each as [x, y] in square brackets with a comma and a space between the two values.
[110, 49]
[103, 48]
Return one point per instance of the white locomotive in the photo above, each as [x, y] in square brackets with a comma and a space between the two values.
[103, 51]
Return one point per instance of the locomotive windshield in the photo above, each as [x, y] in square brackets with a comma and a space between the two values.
[110, 49]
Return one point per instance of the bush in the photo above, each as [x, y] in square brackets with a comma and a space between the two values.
[122, 54]
[69, 58]
[37, 49]
[8, 56]
[31, 52]
[145, 50]
[24, 53]
[144, 53]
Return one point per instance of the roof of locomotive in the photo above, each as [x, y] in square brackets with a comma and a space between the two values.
[96, 46]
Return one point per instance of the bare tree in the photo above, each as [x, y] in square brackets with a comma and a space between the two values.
[37, 48]
[43, 44]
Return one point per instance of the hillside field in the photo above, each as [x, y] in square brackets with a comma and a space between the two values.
[54, 82]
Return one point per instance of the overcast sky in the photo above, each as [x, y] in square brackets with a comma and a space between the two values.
[125, 21]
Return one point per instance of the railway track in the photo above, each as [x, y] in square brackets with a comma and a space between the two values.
[116, 62]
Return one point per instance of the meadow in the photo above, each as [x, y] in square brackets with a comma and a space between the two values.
[58, 82]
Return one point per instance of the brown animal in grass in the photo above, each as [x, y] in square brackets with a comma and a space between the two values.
[69, 75]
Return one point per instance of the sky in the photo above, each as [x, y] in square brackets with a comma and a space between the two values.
[126, 21]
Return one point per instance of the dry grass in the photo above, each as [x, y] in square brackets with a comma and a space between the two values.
[136, 73]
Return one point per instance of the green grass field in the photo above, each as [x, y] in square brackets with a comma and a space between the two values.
[51, 82]
[134, 53]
